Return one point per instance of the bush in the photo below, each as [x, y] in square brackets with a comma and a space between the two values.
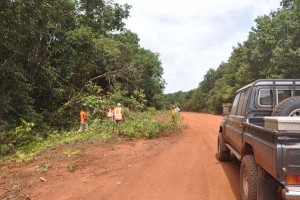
[11, 140]
[6, 149]
[137, 125]
[149, 124]
[102, 128]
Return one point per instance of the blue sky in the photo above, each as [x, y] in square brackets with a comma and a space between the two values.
[193, 36]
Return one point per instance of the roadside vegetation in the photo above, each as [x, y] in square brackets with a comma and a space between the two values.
[61, 56]
[147, 124]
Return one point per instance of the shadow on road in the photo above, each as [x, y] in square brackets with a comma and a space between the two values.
[232, 171]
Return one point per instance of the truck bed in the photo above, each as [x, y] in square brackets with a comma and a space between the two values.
[272, 148]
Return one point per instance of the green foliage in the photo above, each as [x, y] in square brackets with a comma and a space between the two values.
[149, 124]
[37, 145]
[151, 110]
[72, 166]
[72, 153]
[103, 129]
[11, 140]
[25, 127]
[6, 149]
[61, 55]
[43, 168]
[137, 125]
[136, 101]
[141, 127]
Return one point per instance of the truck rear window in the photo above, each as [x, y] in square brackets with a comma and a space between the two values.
[265, 97]
[297, 93]
[283, 94]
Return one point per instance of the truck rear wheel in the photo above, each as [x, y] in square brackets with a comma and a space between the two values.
[288, 107]
[223, 155]
[248, 178]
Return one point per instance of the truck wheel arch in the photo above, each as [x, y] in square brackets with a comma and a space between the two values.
[220, 129]
[223, 151]
[248, 149]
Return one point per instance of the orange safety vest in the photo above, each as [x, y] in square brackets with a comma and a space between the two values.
[110, 113]
[83, 116]
[118, 113]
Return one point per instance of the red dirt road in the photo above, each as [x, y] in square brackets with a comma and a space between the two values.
[178, 167]
[187, 170]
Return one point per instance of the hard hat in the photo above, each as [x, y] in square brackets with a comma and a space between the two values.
[118, 104]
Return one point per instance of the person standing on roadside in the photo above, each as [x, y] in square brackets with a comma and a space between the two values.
[118, 114]
[175, 114]
[110, 114]
[83, 120]
[173, 110]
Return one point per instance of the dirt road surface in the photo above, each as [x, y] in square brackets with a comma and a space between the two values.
[183, 166]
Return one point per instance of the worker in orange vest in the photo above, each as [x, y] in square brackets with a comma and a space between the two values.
[83, 120]
[110, 114]
[118, 114]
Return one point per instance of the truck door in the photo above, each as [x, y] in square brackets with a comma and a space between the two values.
[231, 122]
[237, 121]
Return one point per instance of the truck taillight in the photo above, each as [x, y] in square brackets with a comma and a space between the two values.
[292, 179]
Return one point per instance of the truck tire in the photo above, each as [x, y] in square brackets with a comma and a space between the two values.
[288, 107]
[248, 178]
[222, 155]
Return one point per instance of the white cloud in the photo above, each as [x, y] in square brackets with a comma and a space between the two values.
[193, 36]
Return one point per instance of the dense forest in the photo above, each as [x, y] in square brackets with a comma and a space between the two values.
[272, 50]
[57, 56]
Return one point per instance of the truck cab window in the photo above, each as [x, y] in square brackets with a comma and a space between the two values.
[297, 93]
[265, 97]
[283, 94]
[245, 103]
[235, 104]
[242, 103]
